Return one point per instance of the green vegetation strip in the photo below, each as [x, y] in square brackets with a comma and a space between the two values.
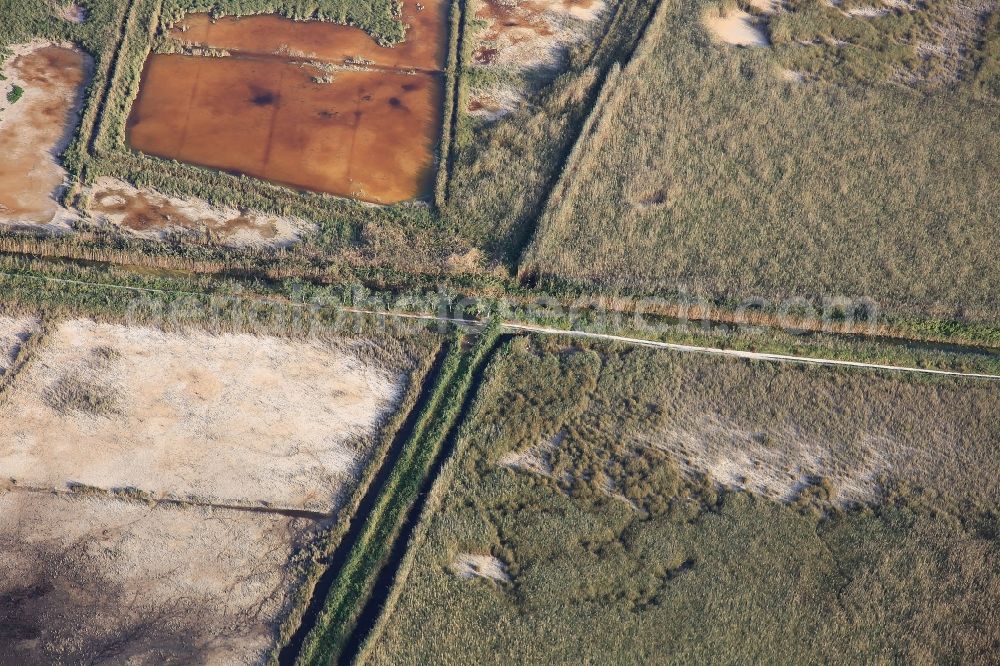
[435, 497]
[108, 291]
[356, 579]
[319, 553]
[452, 102]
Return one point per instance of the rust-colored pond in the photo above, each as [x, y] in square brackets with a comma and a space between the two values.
[368, 134]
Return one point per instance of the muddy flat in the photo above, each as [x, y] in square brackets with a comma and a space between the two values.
[36, 128]
[154, 215]
[229, 419]
[521, 37]
[368, 135]
[531, 33]
[95, 580]
[424, 47]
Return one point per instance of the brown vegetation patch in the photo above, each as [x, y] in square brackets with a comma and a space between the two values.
[150, 214]
[227, 418]
[13, 333]
[91, 580]
[35, 129]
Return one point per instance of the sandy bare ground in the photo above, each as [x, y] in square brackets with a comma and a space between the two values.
[13, 332]
[526, 36]
[766, 6]
[150, 214]
[93, 580]
[738, 28]
[223, 419]
[36, 129]
[494, 102]
[534, 459]
[472, 565]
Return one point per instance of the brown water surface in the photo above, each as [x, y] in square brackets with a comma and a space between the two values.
[36, 128]
[424, 46]
[367, 131]
[368, 134]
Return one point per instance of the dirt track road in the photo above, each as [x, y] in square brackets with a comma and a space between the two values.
[543, 330]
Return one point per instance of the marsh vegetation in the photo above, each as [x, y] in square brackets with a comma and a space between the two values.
[615, 547]
[708, 171]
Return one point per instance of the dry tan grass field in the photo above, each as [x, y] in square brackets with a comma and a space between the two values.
[227, 418]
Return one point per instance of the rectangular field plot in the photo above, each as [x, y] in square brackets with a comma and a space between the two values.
[311, 105]
[88, 580]
[740, 184]
[222, 418]
[631, 506]
[367, 135]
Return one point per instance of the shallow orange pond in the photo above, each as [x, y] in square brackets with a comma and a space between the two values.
[369, 135]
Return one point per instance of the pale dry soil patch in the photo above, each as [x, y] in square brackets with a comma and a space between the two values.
[150, 214]
[13, 333]
[97, 580]
[737, 27]
[778, 463]
[35, 129]
[526, 36]
[473, 565]
[229, 418]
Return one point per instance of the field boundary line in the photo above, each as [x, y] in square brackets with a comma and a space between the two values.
[103, 493]
[747, 355]
[563, 189]
[99, 121]
[545, 330]
[432, 503]
[355, 514]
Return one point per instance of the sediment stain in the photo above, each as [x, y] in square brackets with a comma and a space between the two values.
[35, 129]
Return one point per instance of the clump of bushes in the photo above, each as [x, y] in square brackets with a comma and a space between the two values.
[72, 393]
[14, 94]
